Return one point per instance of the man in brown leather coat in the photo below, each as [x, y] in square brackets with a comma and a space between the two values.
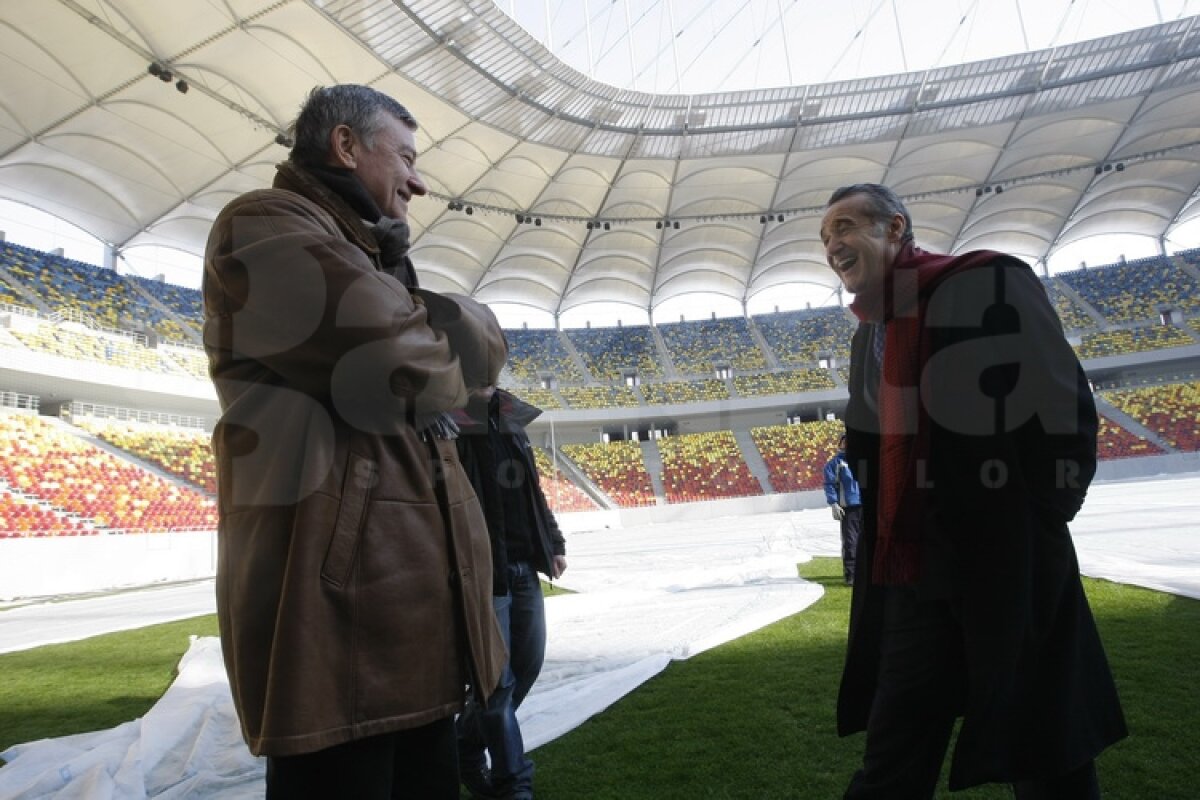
[354, 572]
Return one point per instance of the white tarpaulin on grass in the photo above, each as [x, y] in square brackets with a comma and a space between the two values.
[646, 595]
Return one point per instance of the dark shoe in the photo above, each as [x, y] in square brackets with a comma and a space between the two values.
[478, 781]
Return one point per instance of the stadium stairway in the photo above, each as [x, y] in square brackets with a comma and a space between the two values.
[124, 455]
[664, 355]
[576, 359]
[1187, 266]
[652, 458]
[572, 472]
[760, 340]
[1130, 424]
[19, 287]
[151, 300]
[1077, 298]
[754, 460]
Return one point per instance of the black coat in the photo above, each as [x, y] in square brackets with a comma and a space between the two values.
[1012, 451]
[506, 416]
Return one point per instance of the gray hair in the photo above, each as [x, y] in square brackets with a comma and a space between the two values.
[326, 107]
[884, 203]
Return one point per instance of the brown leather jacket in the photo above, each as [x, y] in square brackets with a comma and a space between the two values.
[354, 573]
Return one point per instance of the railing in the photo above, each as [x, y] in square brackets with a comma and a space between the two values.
[77, 410]
[79, 318]
[24, 311]
[17, 400]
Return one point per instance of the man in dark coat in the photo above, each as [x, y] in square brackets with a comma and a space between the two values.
[498, 458]
[972, 431]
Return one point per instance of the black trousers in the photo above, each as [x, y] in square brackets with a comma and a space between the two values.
[851, 526]
[919, 696]
[420, 764]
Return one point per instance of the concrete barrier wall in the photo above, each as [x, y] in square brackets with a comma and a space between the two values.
[62, 565]
[54, 566]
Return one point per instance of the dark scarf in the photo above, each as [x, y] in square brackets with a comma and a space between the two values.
[391, 235]
[904, 425]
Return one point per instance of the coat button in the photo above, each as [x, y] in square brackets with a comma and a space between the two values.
[466, 573]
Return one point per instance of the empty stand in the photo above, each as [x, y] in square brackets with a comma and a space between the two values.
[21, 517]
[109, 300]
[1136, 290]
[544, 399]
[696, 348]
[534, 352]
[1171, 410]
[1114, 441]
[787, 382]
[1132, 340]
[669, 392]
[71, 340]
[795, 455]
[561, 493]
[609, 352]
[705, 466]
[1069, 312]
[617, 469]
[59, 469]
[186, 454]
[598, 396]
[800, 338]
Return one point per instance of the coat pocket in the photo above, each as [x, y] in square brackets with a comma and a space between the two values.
[361, 476]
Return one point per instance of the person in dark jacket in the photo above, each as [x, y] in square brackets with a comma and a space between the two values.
[972, 431]
[525, 538]
[845, 501]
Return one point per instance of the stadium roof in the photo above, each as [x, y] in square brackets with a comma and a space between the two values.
[623, 195]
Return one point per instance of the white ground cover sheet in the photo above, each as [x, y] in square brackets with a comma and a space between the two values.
[645, 595]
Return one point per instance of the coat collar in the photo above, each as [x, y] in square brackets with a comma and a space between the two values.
[294, 178]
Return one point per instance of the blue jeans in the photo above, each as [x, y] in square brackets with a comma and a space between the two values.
[521, 613]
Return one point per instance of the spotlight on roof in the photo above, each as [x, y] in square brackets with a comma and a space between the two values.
[181, 86]
[658, 225]
[589, 225]
[979, 192]
[159, 71]
[999, 189]
[470, 211]
[675, 224]
[283, 140]
[538, 222]
[607, 227]
[1120, 166]
[1099, 170]
[779, 217]
[762, 220]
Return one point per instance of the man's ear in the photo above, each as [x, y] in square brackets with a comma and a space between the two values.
[896, 227]
[343, 147]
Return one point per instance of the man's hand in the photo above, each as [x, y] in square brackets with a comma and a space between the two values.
[559, 565]
[839, 513]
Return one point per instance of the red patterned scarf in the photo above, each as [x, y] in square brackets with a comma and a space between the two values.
[903, 420]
